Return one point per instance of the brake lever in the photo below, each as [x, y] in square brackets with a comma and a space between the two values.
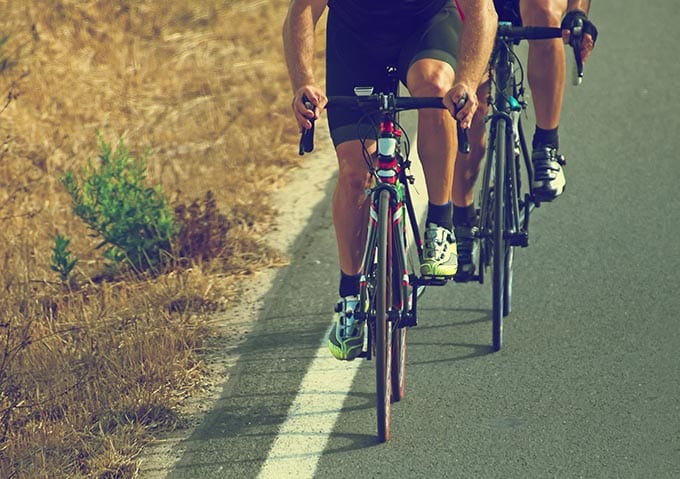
[463, 142]
[307, 135]
[575, 40]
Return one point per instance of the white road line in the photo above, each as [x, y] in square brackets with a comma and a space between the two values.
[303, 436]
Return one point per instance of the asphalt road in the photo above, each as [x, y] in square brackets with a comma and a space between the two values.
[588, 382]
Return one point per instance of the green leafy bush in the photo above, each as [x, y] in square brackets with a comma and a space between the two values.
[62, 262]
[135, 222]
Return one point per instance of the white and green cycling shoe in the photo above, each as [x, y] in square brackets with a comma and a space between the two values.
[346, 339]
[440, 259]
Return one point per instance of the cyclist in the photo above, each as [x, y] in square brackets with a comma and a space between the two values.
[422, 38]
[546, 68]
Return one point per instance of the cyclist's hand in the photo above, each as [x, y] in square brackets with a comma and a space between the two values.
[588, 37]
[464, 94]
[303, 114]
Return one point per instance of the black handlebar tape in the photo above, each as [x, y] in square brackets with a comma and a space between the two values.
[463, 142]
[575, 42]
[307, 136]
[528, 33]
[307, 140]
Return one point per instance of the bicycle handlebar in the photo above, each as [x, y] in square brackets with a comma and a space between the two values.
[511, 32]
[378, 103]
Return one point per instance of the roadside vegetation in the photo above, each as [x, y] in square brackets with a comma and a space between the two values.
[138, 144]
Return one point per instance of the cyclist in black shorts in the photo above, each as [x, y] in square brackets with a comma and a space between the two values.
[437, 55]
[546, 70]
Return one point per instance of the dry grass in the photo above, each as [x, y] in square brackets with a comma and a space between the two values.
[88, 373]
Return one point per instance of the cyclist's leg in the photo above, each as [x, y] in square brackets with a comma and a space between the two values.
[546, 61]
[347, 66]
[437, 141]
[467, 165]
[430, 58]
[465, 175]
[546, 67]
[350, 64]
[350, 205]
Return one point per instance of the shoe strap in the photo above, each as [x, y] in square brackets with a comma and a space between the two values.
[342, 305]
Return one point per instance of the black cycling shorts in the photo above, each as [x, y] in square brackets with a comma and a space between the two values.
[361, 59]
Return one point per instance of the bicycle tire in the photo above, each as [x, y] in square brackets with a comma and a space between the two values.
[486, 210]
[398, 363]
[399, 302]
[507, 280]
[383, 340]
[512, 222]
[497, 232]
[406, 262]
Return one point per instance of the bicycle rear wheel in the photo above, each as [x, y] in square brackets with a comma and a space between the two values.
[507, 280]
[383, 327]
[514, 212]
[405, 261]
[398, 363]
[400, 297]
[500, 246]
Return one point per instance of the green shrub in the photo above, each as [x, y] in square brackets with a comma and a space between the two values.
[135, 222]
[62, 262]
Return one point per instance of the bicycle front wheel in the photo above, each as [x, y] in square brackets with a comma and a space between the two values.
[383, 327]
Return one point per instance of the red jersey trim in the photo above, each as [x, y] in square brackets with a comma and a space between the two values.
[460, 11]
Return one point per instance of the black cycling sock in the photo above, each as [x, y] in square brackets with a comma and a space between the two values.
[349, 284]
[441, 215]
[464, 215]
[545, 138]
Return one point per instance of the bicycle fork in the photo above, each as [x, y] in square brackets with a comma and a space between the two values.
[393, 177]
[401, 311]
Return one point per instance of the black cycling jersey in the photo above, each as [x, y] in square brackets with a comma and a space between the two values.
[381, 15]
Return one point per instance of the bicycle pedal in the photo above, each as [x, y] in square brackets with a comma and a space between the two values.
[408, 320]
[520, 239]
[435, 280]
[469, 278]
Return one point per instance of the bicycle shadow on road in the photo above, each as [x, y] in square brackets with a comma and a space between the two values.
[448, 335]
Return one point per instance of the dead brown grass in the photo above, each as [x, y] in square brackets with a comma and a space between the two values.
[90, 373]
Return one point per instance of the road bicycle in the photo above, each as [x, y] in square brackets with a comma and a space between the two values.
[390, 284]
[506, 196]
